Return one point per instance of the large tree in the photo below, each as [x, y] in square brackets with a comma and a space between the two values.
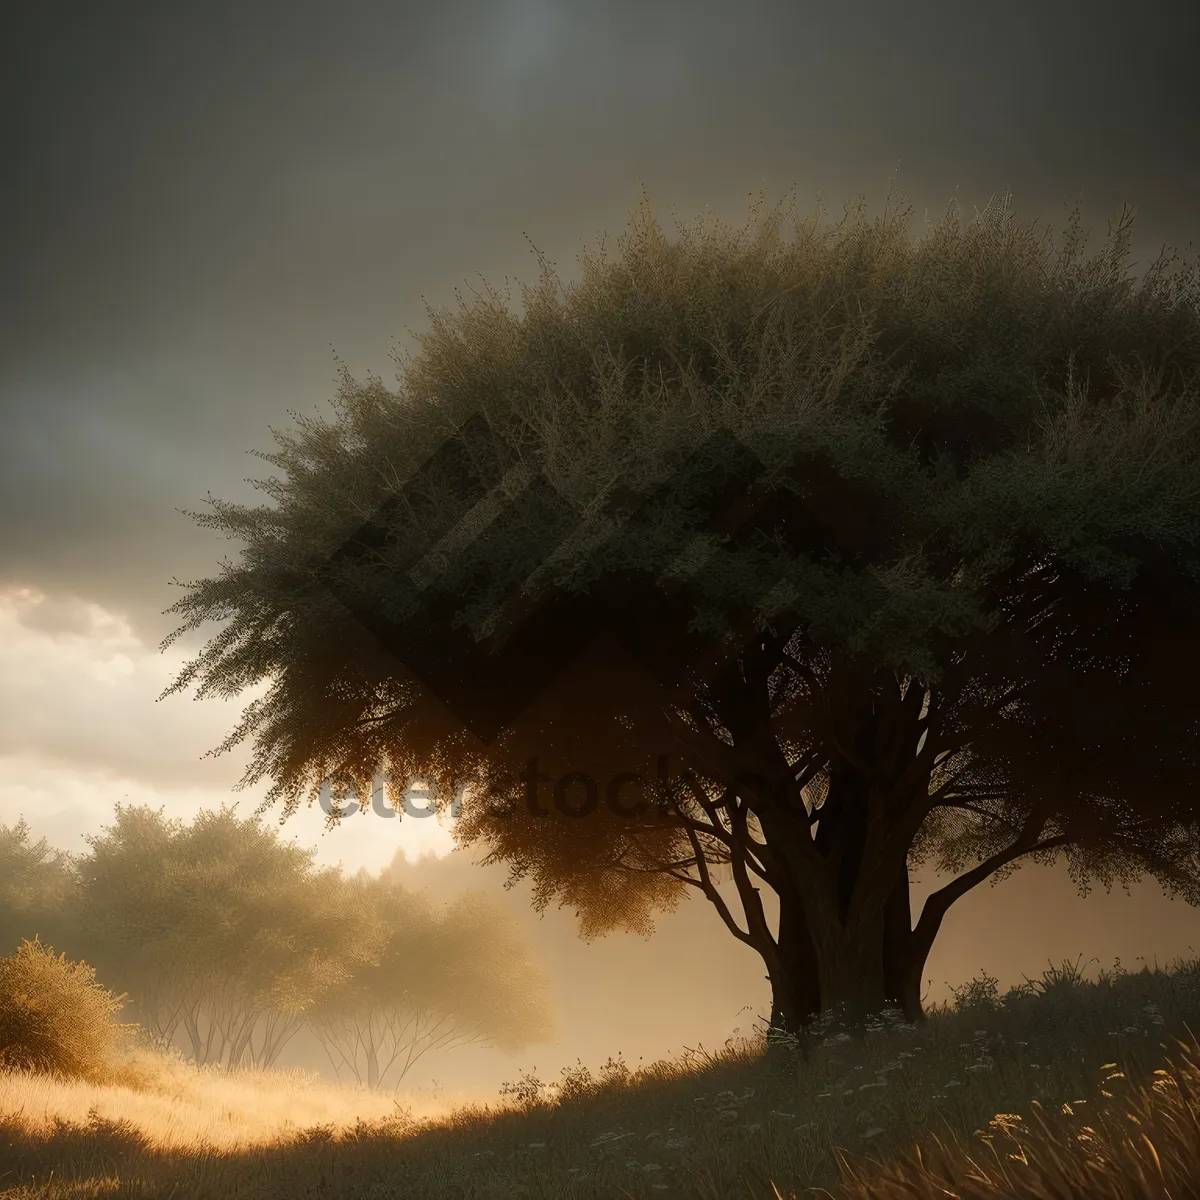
[857, 551]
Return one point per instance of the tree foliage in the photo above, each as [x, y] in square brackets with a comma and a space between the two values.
[223, 931]
[36, 889]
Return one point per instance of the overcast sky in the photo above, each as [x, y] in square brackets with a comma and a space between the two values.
[202, 202]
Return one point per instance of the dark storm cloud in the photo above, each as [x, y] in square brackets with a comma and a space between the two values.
[199, 199]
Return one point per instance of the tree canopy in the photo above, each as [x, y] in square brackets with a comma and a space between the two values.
[889, 549]
[219, 928]
[36, 889]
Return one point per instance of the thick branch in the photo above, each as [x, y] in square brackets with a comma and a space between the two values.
[938, 903]
[756, 920]
[709, 889]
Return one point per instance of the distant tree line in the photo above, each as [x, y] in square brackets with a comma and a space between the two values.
[228, 941]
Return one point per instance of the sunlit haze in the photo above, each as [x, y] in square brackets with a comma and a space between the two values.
[203, 204]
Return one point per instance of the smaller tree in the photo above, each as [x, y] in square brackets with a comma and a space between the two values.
[128, 915]
[223, 933]
[440, 980]
[37, 886]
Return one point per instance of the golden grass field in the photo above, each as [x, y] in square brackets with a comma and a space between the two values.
[1086, 1088]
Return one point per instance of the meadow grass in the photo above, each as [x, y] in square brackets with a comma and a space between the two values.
[1066, 1087]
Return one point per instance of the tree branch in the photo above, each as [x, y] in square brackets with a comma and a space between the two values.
[938, 903]
[709, 889]
[756, 921]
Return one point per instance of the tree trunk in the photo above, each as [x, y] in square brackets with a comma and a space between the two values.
[833, 960]
[850, 969]
[796, 995]
[849, 950]
[845, 946]
[795, 990]
[902, 964]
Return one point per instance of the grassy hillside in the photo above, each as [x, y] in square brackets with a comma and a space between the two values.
[998, 1090]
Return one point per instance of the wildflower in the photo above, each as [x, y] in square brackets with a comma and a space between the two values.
[1006, 1121]
[607, 1139]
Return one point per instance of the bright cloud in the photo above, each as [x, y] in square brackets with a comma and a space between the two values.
[81, 729]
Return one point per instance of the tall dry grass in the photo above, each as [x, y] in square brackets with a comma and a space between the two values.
[176, 1106]
[1144, 1144]
[844, 1121]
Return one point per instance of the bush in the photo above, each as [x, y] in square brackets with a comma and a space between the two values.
[55, 1018]
[978, 995]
